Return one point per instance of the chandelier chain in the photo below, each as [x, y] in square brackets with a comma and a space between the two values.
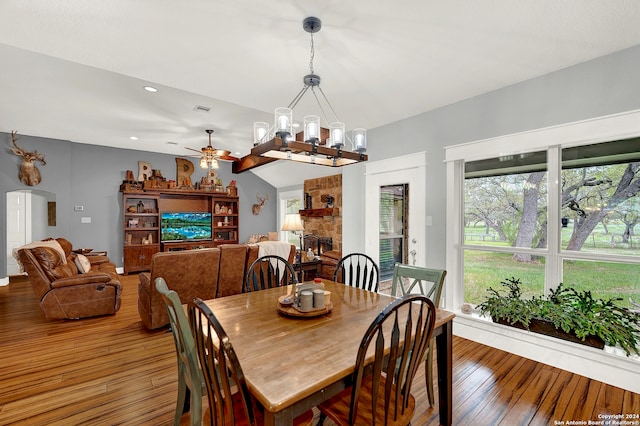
[312, 55]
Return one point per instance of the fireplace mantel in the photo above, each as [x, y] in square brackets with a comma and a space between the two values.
[331, 211]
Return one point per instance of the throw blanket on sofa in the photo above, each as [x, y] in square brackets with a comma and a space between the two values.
[279, 248]
[53, 244]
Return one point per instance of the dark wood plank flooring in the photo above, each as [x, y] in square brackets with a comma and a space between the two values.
[112, 371]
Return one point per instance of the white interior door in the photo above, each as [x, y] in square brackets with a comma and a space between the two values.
[410, 170]
[16, 227]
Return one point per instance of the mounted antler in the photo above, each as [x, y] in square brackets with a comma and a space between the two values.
[257, 208]
[29, 173]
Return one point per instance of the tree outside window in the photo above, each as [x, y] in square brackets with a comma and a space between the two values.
[507, 225]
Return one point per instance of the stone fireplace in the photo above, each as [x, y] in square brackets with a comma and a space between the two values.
[323, 217]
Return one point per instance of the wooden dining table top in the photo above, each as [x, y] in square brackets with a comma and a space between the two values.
[286, 359]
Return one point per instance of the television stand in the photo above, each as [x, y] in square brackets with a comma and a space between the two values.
[186, 245]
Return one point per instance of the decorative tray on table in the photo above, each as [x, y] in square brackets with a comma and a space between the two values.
[289, 304]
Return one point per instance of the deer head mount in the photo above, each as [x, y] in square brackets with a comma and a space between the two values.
[257, 208]
[29, 173]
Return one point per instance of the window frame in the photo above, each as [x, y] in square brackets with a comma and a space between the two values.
[283, 197]
[553, 140]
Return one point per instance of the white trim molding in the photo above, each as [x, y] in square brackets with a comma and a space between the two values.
[602, 129]
[607, 366]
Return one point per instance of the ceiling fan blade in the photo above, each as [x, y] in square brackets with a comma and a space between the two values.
[228, 158]
[196, 150]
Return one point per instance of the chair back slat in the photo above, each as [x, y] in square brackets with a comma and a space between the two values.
[268, 272]
[407, 325]
[358, 270]
[188, 365]
[408, 278]
[221, 369]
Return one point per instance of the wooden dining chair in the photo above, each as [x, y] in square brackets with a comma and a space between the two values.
[268, 272]
[191, 386]
[230, 401]
[358, 270]
[429, 282]
[380, 393]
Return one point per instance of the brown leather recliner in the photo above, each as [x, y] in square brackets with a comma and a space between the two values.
[63, 292]
[190, 273]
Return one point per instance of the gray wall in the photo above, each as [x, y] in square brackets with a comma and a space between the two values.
[603, 86]
[90, 176]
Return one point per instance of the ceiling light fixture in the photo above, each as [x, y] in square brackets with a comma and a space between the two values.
[209, 155]
[150, 89]
[315, 144]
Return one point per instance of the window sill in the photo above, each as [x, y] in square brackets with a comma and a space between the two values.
[609, 365]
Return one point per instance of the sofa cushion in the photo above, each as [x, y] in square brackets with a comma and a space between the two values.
[82, 263]
[51, 264]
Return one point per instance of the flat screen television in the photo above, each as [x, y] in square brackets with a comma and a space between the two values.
[185, 226]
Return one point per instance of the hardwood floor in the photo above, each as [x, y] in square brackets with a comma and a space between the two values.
[113, 371]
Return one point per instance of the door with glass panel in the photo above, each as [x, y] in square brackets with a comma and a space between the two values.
[394, 202]
[394, 226]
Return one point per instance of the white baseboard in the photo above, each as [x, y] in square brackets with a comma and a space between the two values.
[609, 366]
[4, 281]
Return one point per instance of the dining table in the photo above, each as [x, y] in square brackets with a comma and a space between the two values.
[292, 363]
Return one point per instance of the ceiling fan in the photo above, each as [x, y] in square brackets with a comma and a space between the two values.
[209, 155]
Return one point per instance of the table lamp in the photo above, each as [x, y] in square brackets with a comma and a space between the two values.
[293, 223]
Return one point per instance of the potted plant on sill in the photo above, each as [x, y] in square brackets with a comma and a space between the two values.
[567, 314]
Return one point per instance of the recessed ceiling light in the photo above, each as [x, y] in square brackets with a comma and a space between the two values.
[150, 89]
[133, 138]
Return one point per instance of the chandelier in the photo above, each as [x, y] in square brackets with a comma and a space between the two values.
[315, 144]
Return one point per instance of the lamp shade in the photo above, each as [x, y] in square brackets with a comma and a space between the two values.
[292, 222]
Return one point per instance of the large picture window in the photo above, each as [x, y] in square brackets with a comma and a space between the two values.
[507, 224]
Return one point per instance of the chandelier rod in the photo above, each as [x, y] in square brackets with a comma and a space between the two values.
[328, 103]
[299, 96]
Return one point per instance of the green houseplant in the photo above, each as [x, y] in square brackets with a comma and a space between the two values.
[567, 313]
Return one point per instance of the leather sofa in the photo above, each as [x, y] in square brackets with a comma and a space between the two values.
[64, 291]
[204, 273]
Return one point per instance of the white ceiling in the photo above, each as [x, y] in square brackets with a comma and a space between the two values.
[75, 69]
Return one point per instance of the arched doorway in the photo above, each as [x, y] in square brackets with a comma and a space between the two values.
[31, 214]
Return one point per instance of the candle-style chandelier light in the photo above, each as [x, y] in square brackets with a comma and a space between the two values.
[315, 144]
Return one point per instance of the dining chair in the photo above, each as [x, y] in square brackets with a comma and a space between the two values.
[191, 386]
[381, 387]
[230, 401]
[358, 270]
[269, 271]
[430, 283]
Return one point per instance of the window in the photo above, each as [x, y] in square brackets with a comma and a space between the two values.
[505, 208]
[393, 224]
[290, 202]
[590, 244]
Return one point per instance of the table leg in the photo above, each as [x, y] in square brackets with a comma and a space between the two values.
[280, 418]
[444, 349]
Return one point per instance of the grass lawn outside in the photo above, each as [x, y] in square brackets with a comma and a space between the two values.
[484, 269]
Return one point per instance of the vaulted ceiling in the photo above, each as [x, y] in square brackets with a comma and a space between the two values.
[75, 69]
